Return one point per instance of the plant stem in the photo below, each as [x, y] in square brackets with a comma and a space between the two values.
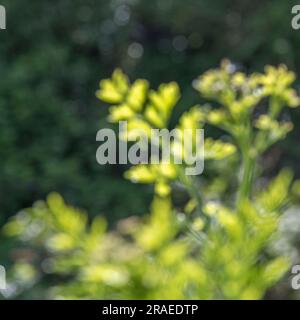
[248, 162]
[192, 189]
[247, 179]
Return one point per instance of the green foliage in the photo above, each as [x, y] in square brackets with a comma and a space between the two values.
[216, 249]
[152, 110]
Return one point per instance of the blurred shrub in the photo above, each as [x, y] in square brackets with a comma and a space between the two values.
[50, 60]
[159, 260]
[219, 247]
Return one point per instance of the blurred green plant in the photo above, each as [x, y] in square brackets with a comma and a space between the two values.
[216, 248]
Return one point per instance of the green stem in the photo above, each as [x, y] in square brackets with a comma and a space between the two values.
[248, 162]
[191, 188]
[247, 156]
[247, 179]
[275, 107]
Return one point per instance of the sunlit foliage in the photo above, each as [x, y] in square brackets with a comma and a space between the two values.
[212, 248]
